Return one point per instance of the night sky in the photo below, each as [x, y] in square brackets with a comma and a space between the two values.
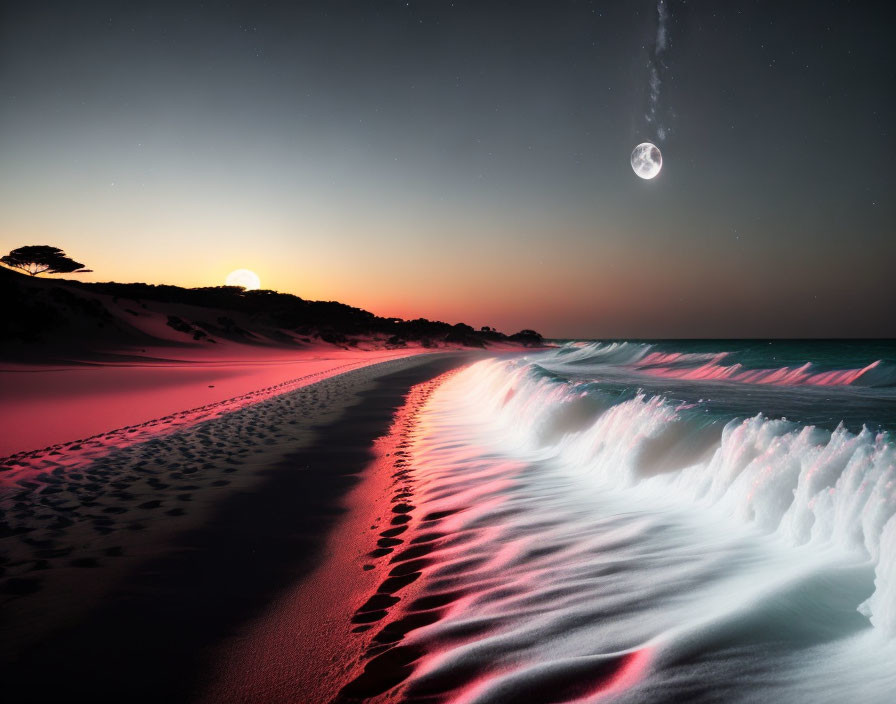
[469, 160]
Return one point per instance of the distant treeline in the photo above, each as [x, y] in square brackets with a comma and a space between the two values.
[36, 306]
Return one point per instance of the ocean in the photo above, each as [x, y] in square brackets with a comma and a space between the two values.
[654, 521]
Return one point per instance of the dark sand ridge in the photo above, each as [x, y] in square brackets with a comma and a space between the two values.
[185, 538]
[321, 634]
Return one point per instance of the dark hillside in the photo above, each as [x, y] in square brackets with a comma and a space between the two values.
[74, 316]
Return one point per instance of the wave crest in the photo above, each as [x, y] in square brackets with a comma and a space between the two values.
[642, 358]
[833, 489]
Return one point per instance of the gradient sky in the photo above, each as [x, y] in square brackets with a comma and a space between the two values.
[469, 160]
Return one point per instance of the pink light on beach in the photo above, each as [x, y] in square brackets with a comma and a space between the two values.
[112, 406]
[632, 672]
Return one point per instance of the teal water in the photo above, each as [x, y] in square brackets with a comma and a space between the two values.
[818, 382]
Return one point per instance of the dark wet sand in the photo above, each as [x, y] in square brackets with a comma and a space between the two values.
[153, 634]
[338, 629]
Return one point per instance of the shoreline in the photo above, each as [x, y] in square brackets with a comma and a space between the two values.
[157, 552]
[315, 639]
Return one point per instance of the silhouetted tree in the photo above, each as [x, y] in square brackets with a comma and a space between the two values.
[42, 259]
[527, 337]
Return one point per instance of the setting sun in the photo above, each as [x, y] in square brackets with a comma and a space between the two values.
[243, 277]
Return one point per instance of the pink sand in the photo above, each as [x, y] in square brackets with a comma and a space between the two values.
[48, 405]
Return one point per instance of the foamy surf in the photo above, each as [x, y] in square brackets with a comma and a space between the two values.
[574, 542]
[645, 359]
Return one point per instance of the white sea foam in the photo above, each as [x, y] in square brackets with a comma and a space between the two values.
[586, 546]
[806, 484]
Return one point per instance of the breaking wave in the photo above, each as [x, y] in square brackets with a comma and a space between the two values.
[570, 540]
[714, 366]
[832, 489]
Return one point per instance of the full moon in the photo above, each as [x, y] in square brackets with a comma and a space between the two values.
[243, 277]
[647, 160]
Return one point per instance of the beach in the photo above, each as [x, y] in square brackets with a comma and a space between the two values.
[590, 522]
[136, 396]
[137, 568]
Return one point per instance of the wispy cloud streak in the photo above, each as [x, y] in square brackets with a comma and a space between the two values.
[655, 66]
